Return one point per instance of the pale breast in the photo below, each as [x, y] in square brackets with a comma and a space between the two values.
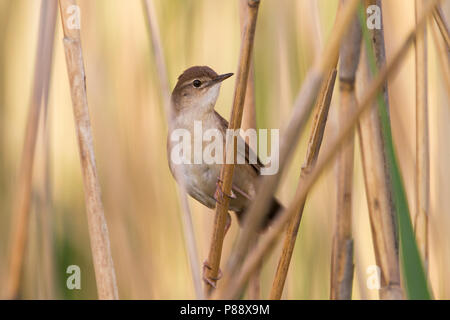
[201, 179]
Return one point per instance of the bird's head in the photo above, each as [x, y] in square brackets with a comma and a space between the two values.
[197, 87]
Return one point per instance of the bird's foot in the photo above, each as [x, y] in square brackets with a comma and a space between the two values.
[219, 194]
[210, 280]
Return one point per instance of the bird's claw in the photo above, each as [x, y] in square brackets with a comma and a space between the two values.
[218, 195]
[211, 280]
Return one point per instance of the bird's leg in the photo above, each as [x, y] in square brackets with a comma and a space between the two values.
[212, 280]
[218, 195]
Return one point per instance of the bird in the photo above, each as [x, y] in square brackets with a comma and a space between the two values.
[193, 100]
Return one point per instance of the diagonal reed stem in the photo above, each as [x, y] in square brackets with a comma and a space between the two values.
[442, 54]
[232, 285]
[46, 35]
[188, 226]
[315, 141]
[443, 26]
[98, 230]
[226, 174]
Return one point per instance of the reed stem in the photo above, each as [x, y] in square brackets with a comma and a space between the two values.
[443, 26]
[422, 141]
[342, 250]
[226, 174]
[249, 122]
[315, 141]
[377, 177]
[188, 226]
[98, 230]
[43, 62]
[443, 55]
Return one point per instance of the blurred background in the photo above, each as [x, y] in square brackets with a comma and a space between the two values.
[129, 128]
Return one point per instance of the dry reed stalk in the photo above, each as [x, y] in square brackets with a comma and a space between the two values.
[45, 210]
[379, 202]
[442, 56]
[249, 114]
[378, 181]
[47, 235]
[422, 141]
[188, 226]
[98, 229]
[232, 285]
[153, 27]
[226, 174]
[302, 108]
[342, 249]
[443, 27]
[315, 141]
[44, 53]
[249, 122]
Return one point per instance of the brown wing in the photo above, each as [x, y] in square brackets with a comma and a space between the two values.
[256, 166]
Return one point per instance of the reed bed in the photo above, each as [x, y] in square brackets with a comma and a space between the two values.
[266, 244]
[383, 208]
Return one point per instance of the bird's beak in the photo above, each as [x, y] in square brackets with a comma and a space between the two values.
[219, 78]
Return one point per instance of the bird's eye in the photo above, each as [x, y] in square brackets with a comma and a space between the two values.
[197, 83]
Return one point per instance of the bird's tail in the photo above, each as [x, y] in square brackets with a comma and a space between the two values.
[274, 210]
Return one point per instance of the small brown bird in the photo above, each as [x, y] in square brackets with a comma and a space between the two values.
[193, 100]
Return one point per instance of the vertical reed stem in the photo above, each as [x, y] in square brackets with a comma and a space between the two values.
[422, 141]
[188, 226]
[249, 113]
[98, 230]
[378, 180]
[226, 174]
[342, 250]
[21, 209]
[249, 122]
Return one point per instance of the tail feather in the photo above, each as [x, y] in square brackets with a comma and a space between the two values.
[275, 208]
